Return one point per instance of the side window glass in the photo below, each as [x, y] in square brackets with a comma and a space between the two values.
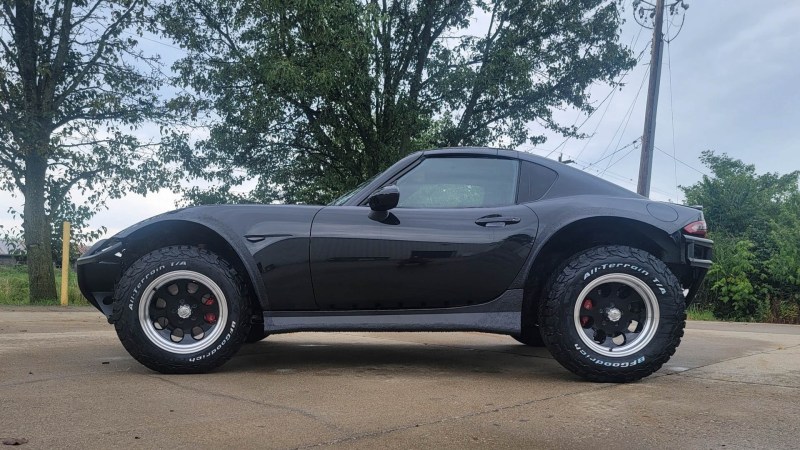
[534, 182]
[457, 182]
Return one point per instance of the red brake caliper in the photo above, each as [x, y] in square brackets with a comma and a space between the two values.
[587, 304]
[209, 317]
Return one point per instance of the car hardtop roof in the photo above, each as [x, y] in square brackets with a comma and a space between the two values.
[569, 173]
[491, 151]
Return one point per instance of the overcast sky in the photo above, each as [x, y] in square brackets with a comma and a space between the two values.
[734, 75]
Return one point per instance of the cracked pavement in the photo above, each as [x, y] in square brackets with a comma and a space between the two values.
[66, 382]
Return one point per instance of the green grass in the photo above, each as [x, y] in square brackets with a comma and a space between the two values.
[696, 313]
[14, 288]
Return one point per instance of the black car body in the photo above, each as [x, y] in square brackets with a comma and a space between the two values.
[481, 262]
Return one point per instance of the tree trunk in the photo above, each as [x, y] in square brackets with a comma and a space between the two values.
[36, 225]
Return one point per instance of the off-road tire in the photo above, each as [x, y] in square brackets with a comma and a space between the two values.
[559, 314]
[130, 292]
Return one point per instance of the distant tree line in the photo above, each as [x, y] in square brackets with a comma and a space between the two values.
[755, 223]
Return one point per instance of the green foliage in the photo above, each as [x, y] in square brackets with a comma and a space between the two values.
[729, 280]
[74, 91]
[755, 223]
[696, 312]
[219, 195]
[736, 197]
[312, 98]
[14, 288]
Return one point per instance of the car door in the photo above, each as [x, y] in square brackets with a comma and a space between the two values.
[456, 238]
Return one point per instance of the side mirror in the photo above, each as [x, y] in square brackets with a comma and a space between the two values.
[384, 199]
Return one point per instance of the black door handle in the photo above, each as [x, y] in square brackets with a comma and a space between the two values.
[496, 220]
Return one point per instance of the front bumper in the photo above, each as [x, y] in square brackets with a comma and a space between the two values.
[98, 272]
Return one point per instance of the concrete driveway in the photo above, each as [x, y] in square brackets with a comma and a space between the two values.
[66, 382]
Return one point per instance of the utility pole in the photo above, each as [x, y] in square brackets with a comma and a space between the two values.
[644, 10]
[648, 137]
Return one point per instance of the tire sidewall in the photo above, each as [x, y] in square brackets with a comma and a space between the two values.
[155, 264]
[670, 314]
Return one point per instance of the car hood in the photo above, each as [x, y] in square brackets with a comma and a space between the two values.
[236, 218]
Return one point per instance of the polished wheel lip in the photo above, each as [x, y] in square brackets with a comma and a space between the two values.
[153, 335]
[651, 322]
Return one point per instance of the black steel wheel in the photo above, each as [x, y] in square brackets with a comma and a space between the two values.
[613, 314]
[181, 310]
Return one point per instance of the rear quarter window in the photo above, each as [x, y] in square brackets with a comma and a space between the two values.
[534, 181]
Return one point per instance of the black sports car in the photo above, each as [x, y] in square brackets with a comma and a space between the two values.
[444, 240]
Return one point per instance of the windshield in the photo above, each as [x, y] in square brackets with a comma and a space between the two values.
[343, 199]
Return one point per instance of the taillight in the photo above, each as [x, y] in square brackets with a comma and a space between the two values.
[698, 228]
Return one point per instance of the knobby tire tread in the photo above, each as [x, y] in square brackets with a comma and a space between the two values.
[167, 364]
[560, 343]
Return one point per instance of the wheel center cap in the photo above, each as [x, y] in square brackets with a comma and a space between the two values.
[184, 311]
[613, 314]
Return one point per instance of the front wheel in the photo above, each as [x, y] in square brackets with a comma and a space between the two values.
[613, 314]
[181, 310]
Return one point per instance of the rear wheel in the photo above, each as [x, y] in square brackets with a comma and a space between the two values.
[181, 310]
[613, 314]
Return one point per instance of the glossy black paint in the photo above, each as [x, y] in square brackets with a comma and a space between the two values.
[384, 199]
[421, 258]
[331, 267]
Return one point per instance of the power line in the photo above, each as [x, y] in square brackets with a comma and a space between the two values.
[613, 153]
[610, 164]
[624, 128]
[612, 93]
[628, 113]
[672, 111]
[701, 172]
[155, 41]
[668, 39]
[599, 173]
[608, 97]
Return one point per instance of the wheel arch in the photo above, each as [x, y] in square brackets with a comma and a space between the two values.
[581, 235]
[216, 239]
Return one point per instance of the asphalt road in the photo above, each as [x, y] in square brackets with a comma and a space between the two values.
[66, 382]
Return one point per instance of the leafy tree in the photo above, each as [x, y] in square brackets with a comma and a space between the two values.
[73, 90]
[783, 264]
[755, 222]
[730, 277]
[314, 97]
[736, 198]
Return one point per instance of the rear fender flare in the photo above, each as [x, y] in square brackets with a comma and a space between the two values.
[660, 233]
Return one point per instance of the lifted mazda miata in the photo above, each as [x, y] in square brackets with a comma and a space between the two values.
[461, 239]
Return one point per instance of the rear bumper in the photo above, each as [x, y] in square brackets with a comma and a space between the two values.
[697, 254]
[698, 251]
